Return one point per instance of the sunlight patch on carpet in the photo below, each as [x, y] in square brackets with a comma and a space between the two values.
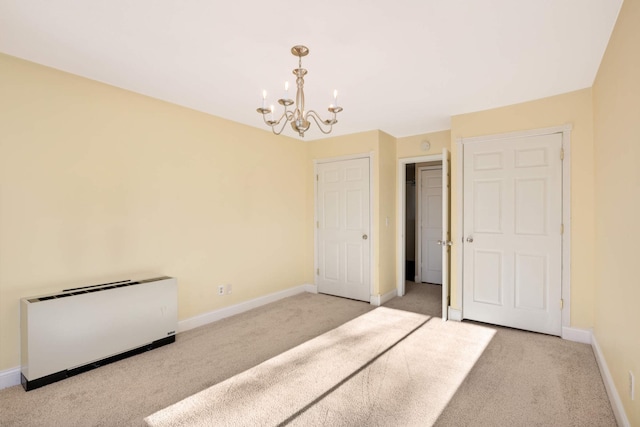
[395, 366]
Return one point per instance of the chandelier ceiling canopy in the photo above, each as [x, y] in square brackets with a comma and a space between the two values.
[294, 111]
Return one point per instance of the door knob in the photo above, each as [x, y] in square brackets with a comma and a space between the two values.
[365, 237]
[441, 243]
[470, 239]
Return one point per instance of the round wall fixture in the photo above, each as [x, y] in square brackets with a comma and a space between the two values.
[425, 145]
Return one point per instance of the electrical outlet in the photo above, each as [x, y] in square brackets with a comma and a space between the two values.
[221, 290]
[632, 386]
[229, 289]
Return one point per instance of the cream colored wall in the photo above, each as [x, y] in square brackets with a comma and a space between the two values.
[98, 184]
[574, 108]
[387, 217]
[616, 100]
[410, 146]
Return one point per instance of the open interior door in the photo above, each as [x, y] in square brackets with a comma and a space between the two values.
[446, 231]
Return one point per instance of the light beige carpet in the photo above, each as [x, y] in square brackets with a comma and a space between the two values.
[125, 392]
[387, 367]
[424, 298]
[521, 378]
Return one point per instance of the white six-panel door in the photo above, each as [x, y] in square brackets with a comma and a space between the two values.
[512, 242]
[430, 223]
[343, 228]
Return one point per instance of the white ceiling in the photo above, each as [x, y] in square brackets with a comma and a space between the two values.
[403, 66]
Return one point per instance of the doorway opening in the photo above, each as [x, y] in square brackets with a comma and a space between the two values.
[421, 245]
[423, 230]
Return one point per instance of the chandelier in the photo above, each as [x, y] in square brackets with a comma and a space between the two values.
[298, 116]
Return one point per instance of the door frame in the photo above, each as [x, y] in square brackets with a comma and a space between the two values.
[401, 227]
[565, 284]
[372, 236]
[418, 261]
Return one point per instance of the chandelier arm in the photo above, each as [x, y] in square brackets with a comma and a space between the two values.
[264, 119]
[274, 122]
[287, 115]
[316, 118]
[313, 113]
[273, 126]
[283, 116]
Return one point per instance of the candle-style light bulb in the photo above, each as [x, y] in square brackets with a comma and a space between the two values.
[264, 98]
[272, 112]
[335, 97]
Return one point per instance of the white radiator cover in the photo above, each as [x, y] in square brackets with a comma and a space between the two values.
[75, 330]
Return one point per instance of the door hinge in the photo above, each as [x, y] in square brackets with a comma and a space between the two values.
[561, 304]
[562, 154]
[318, 271]
[317, 177]
[561, 229]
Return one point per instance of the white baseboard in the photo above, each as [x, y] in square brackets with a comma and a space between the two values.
[9, 378]
[389, 296]
[312, 289]
[614, 397]
[378, 300]
[212, 316]
[577, 335]
[454, 314]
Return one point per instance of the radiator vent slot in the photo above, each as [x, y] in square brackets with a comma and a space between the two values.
[93, 288]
